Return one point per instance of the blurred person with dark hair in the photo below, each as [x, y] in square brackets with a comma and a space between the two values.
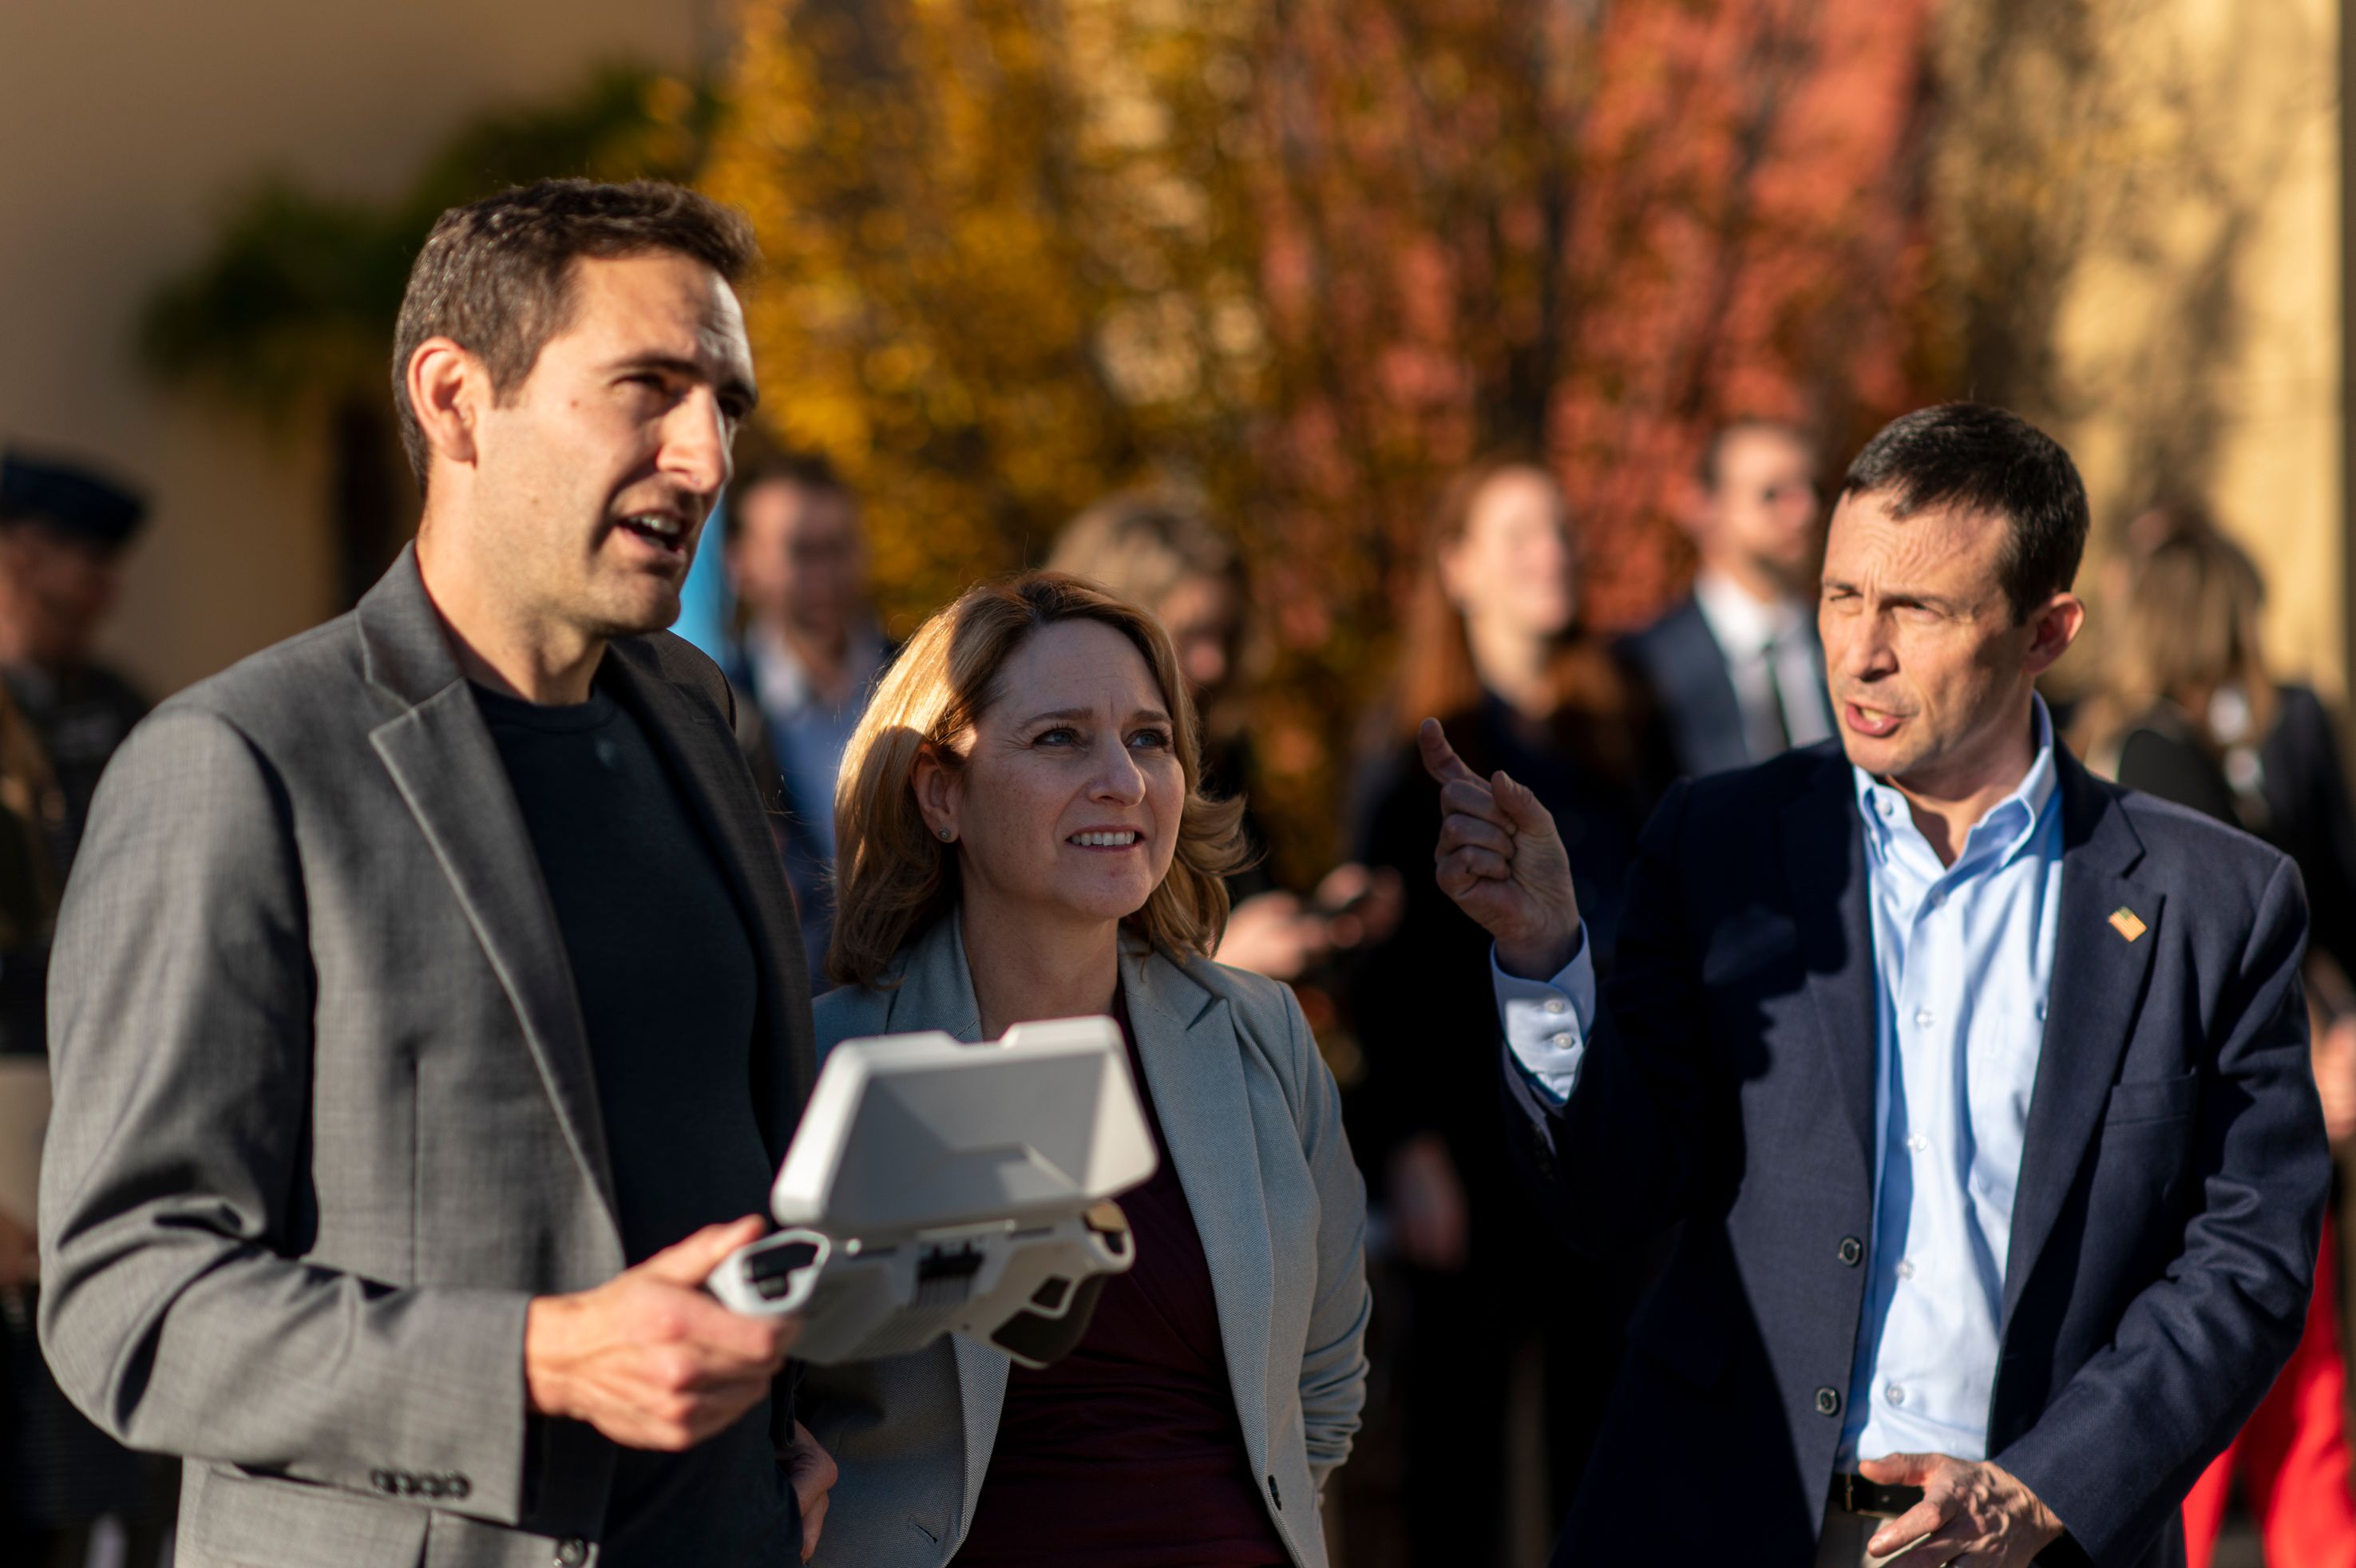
[1025, 835]
[807, 657]
[63, 528]
[1737, 666]
[2185, 709]
[428, 1016]
[1494, 640]
[63, 532]
[1159, 550]
[1974, 1088]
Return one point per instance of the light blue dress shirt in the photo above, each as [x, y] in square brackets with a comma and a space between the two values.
[1963, 960]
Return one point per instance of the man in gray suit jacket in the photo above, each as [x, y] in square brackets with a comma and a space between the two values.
[427, 1001]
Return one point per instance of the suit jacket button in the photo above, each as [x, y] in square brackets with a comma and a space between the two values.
[1852, 1250]
[404, 1483]
[383, 1481]
[459, 1485]
[1827, 1402]
[572, 1553]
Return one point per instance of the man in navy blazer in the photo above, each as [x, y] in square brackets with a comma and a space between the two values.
[1980, 1087]
[1736, 664]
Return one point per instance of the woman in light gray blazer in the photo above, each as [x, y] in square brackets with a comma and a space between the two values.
[1021, 835]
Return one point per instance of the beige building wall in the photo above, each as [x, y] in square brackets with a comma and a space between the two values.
[123, 126]
[2201, 331]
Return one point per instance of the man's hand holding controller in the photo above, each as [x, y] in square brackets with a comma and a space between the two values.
[649, 1358]
[1501, 861]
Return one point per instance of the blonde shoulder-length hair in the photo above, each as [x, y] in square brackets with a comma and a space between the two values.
[893, 879]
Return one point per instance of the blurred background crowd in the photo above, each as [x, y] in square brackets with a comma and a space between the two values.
[1486, 358]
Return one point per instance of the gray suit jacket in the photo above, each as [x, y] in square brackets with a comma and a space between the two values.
[1254, 1125]
[326, 1118]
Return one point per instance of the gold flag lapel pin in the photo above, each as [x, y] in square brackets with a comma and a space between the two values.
[2125, 921]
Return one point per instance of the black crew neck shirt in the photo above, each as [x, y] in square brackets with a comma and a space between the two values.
[663, 965]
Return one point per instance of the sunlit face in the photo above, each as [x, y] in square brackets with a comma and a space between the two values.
[596, 475]
[1766, 509]
[55, 594]
[1930, 671]
[797, 556]
[1067, 803]
[1200, 615]
[1516, 568]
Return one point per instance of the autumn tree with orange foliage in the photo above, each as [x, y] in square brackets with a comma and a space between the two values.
[1307, 256]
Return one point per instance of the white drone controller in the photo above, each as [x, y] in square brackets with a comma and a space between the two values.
[938, 1187]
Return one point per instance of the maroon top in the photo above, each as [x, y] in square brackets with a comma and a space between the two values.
[1127, 1453]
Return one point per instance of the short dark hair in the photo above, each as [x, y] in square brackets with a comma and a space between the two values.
[1972, 458]
[813, 472]
[1713, 455]
[496, 275]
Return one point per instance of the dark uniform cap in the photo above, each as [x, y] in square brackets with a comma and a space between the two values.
[70, 499]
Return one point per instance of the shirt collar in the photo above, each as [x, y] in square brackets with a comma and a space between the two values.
[783, 682]
[1742, 625]
[2012, 823]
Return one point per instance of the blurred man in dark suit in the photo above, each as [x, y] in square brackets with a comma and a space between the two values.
[1736, 664]
[806, 662]
[1979, 1087]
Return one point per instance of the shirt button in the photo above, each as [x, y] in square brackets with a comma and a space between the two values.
[1851, 1251]
[1894, 1394]
[1827, 1402]
[1918, 1142]
[1562, 1042]
[1557, 1005]
[572, 1553]
[1924, 1018]
[1905, 1268]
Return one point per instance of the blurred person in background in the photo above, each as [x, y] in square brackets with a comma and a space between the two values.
[2186, 710]
[63, 529]
[1494, 639]
[806, 657]
[63, 532]
[1737, 665]
[1024, 835]
[1159, 550]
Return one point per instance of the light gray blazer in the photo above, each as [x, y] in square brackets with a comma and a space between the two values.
[1254, 1125]
[326, 1117]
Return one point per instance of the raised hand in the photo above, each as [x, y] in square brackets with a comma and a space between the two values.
[1978, 1514]
[648, 1357]
[1501, 859]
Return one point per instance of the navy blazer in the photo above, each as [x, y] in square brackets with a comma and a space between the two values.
[2171, 1186]
[1680, 657]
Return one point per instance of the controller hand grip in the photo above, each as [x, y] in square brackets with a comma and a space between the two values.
[772, 1276]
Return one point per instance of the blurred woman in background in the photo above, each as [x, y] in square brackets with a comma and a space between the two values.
[1022, 833]
[2185, 710]
[1493, 648]
[1159, 550]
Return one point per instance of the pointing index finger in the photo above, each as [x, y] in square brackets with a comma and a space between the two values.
[1439, 758]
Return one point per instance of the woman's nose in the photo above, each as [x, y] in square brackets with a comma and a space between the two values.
[1120, 779]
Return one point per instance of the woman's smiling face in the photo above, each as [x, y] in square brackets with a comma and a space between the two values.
[1067, 802]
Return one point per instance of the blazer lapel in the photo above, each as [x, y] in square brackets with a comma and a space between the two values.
[1186, 1038]
[936, 992]
[1824, 861]
[704, 760]
[443, 760]
[2096, 994]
